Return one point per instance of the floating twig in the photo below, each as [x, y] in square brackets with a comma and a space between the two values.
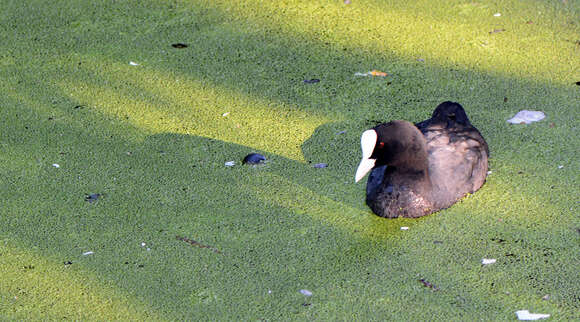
[197, 244]
[429, 285]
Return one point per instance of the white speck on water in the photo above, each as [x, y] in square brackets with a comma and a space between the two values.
[404, 228]
[226, 114]
[56, 165]
[497, 15]
[148, 249]
[546, 297]
[143, 244]
[489, 172]
[88, 253]
[230, 163]
[560, 167]
[269, 291]
[487, 261]
[132, 63]
[306, 292]
[525, 315]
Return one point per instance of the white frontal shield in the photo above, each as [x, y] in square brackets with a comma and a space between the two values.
[368, 141]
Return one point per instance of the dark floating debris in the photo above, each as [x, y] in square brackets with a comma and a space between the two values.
[179, 45]
[67, 263]
[197, 244]
[578, 83]
[79, 107]
[428, 284]
[92, 197]
[320, 165]
[312, 81]
[254, 158]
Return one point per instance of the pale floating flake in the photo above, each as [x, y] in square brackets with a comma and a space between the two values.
[487, 261]
[525, 315]
[527, 117]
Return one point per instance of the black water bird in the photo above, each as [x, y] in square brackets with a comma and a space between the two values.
[418, 169]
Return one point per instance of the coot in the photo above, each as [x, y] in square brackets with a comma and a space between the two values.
[418, 169]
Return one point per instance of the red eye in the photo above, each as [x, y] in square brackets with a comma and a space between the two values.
[381, 145]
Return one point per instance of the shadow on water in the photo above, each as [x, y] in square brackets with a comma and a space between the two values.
[266, 221]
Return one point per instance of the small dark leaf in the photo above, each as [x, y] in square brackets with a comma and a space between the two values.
[92, 197]
[179, 45]
[79, 107]
[67, 263]
[311, 81]
[254, 158]
[428, 284]
[505, 99]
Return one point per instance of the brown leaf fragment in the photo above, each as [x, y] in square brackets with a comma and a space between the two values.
[495, 31]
